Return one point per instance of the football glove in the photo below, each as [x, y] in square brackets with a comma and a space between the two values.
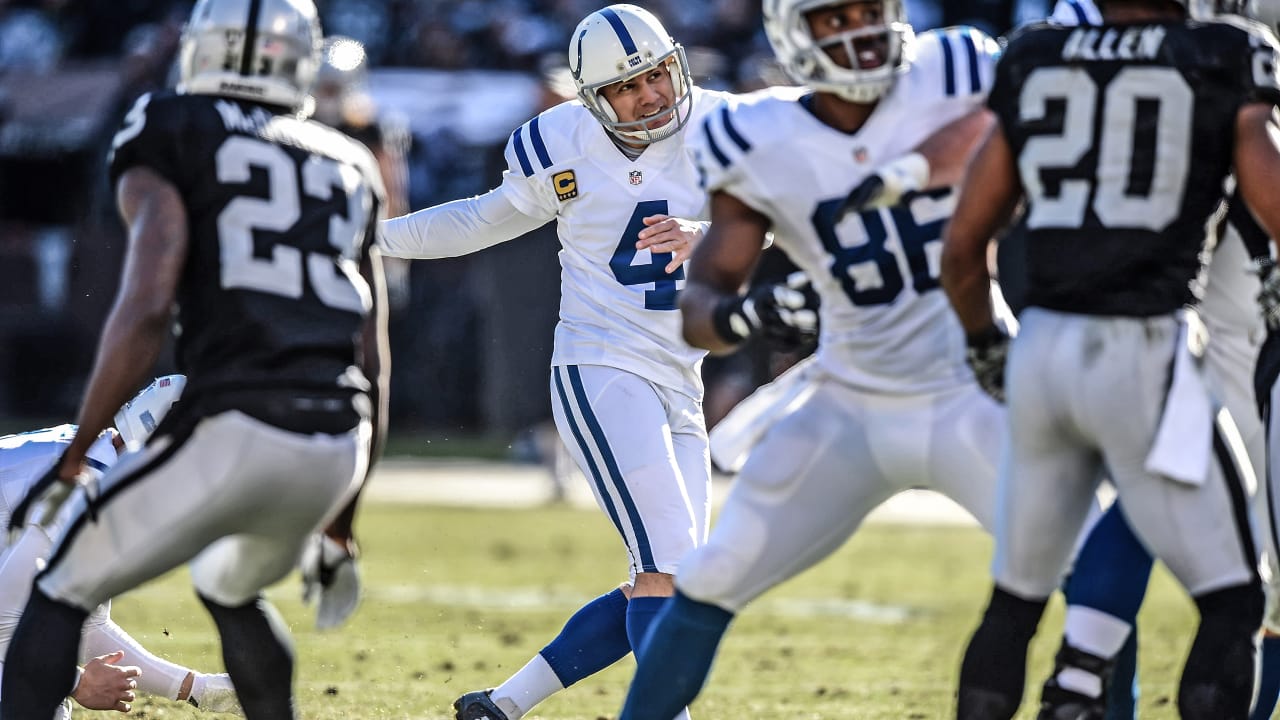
[987, 352]
[886, 186]
[784, 314]
[1269, 294]
[330, 576]
[41, 503]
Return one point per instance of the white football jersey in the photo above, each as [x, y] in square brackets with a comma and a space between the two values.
[617, 304]
[886, 325]
[27, 456]
[1076, 12]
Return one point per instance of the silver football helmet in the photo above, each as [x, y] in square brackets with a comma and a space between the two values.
[618, 43]
[807, 62]
[138, 418]
[264, 50]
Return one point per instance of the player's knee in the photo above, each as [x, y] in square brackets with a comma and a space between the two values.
[714, 574]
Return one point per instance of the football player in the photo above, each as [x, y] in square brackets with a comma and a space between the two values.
[612, 169]
[255, 227]
[23, 460]
[890, 403]
[1104, 370]
[1111, 571]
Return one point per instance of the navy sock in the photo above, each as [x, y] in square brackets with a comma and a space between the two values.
[1269, 688]
[641, 612]
[1122, 700]
[676, 659]
[592, 640]
[1112, 569]
[40, 667]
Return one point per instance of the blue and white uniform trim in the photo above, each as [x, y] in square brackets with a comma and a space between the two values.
[539, 147]
[960, 59]
[591, 440]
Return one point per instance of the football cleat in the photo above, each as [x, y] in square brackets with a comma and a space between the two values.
[477, 706]
[217, 695]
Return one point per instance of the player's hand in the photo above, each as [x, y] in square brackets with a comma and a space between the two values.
[41, 503]
[1269, 294]
[887, 184]
[104, 685]
[666, 234]
[785, 314]
[330, 575]
[987, 353]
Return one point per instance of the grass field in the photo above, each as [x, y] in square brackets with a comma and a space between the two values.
[458, 599]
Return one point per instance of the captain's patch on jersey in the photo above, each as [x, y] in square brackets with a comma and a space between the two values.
[565, 184]
[636, 177]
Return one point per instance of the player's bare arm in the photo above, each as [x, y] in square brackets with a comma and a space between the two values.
[1257, 163]
[948, 150]
[988, 194]
[720, 266]
[135, 330]
[666, 234]
[104, 685]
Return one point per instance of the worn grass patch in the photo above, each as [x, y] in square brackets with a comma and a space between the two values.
[458, 599]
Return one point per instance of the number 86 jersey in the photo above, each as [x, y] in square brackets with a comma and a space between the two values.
[886, 325]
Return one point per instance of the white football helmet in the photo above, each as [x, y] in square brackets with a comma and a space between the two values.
[139, 417]
[808, 63]
[620, 42]
[264, 50]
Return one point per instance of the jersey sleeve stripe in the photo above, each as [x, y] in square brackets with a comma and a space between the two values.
[624, 35]
[539, 147]
[711, 143]
[732, 132]
[971, 51]
[517, 142]
[1081, 16]
[96, 464]
[948, 64]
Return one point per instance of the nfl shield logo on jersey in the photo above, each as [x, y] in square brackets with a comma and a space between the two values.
[636, 177]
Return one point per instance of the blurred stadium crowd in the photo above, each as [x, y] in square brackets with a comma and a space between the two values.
[472, 335]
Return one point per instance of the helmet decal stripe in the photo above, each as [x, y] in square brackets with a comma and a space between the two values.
[250, 38]
[732, 132]
[971, 52]
[538, 146]
[1081, 16]
[948, 63]
[517, 143]
[624, 35]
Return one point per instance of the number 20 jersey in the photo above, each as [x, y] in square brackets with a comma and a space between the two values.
[886, 325]
[617, 304]
[1123, 136]
[280, 212]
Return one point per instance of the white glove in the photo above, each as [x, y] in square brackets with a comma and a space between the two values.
[329, 573]
[41, 504]
[886, 186]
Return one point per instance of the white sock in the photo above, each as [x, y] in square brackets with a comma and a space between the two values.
[531, 684]
[1096, 633]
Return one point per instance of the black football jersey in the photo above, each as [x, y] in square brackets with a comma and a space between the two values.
[281, 211]
[1123, 137]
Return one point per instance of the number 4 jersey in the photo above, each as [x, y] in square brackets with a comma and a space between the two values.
[280, 212]
[886, 325]
[1123, 136]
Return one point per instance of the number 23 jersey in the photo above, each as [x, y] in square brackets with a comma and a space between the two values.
[886, 325]
[617, 304]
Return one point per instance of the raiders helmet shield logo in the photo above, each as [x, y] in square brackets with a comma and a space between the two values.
[636, 177]
[565, 184]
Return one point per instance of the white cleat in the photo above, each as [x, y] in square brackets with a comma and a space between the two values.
[218, 695]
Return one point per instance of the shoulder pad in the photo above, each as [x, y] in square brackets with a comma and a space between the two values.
[958, 61]
[547, 139]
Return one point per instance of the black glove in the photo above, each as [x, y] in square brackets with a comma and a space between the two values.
[987, 352]
[784, 314]
[1269, 294]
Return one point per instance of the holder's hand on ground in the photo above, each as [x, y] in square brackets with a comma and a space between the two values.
[666, 234]
[104, 685]
[330, 576]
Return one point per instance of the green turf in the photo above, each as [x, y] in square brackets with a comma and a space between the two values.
[458, 599]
